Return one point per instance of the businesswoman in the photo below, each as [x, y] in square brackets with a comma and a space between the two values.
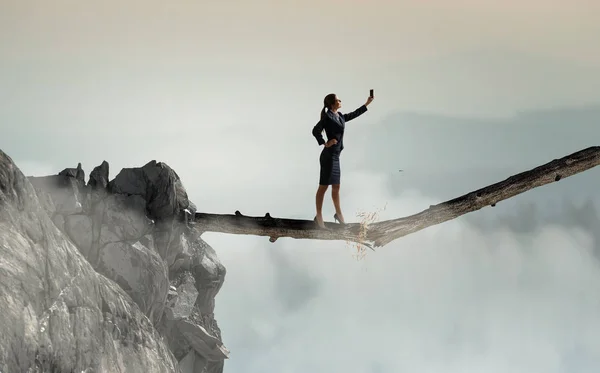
[333, 123]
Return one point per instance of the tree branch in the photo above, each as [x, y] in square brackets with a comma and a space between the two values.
[382, 233]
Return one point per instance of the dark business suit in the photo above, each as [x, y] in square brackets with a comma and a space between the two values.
[334, 125]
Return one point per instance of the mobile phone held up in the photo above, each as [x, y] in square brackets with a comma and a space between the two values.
[371, 93]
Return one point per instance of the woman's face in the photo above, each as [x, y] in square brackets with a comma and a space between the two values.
[337, 103]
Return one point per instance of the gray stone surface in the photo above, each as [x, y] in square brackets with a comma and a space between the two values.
[78, 227]
[169, 239]
[99, 176]
[157, 183]
[208, 272]
[203, 342]
[105, 277]
[190, 335]
[123, 218]
[63, 190]
[198, 331]
[167, 194]
[138, 271]
[76, 173]
[59, 221]
[185, 298]
[58, 314]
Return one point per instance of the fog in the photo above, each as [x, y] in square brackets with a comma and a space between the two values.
[451, 298]
[227, 94]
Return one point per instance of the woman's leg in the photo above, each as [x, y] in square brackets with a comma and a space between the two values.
[335, 196]
[326, 162]
[319, 199]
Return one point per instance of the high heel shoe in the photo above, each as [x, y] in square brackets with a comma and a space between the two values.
[337, 219]
[320, 226]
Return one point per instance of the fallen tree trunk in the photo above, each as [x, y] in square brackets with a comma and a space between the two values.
[382, 233]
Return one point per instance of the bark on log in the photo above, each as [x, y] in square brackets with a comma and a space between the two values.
[382, 233]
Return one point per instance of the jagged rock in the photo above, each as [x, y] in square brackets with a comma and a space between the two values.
[183, 302]
[208, 272]
[45, 199]
[131, 232]
[192, 208]
[140, 272]
[169, 239]
[58, 314]
[194, 363]
[59, 221]
[185, 258]
[191, 364]
[171, 298]
[168, 194]
[78, 228]
[213, 366]
[76, 173]
[185, 335]
[148, 241]
[180, 262]
[200, 259]
[123, 218]
[99, 176]
[188, 214]
[64, 191]
[197, 331]
[182, 197]
[158, 184]
[205, 344]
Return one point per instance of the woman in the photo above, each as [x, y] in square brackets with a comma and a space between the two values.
[334, 123]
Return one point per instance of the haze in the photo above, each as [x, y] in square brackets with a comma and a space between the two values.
[467, 93]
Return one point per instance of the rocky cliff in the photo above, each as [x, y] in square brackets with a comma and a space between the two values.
[105, 276]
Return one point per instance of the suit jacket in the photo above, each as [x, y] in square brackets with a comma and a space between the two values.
[334, 125]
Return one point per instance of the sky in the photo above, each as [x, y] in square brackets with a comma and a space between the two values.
[467, 93]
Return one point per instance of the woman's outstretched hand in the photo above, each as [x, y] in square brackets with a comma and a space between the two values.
[330, 143]
[369, 100]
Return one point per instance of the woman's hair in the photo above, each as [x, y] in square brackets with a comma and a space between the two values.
[328, 102]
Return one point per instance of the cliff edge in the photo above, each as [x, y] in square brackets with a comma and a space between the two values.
[106, 276]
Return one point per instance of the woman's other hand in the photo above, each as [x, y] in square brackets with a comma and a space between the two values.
[330, 143]
[369, 100]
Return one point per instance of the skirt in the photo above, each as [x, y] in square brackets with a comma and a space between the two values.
[330, 167]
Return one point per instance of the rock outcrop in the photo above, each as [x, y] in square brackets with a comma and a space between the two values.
[105, 276]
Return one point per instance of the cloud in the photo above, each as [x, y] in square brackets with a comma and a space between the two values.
[451, 298]
[293, 286]
[509, 295]
[233, 116]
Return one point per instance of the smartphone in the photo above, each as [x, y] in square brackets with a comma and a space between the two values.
[371, 93]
